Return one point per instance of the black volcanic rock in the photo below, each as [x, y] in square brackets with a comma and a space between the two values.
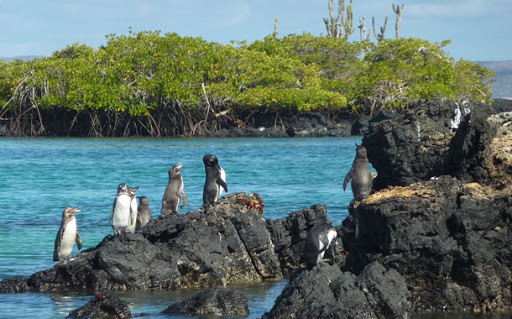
[419, 143]
[449, 241]
[326, 291]
[215, 302]
[227, 243]
[289, 236]
[103, 306]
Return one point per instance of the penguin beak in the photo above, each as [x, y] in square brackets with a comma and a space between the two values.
[179, 165]
[77, 209]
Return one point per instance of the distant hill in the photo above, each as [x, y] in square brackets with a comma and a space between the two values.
[502, 88]
[23, 58]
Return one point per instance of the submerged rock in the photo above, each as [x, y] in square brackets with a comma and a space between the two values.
[214, 301]
[103, 306]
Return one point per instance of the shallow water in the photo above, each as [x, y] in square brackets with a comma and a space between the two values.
[39, 177]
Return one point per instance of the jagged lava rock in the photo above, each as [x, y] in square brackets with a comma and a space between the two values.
[103, 306]
[229, 242]
[419, 143]
[214, 301]
[289, 235]
[326, 291]
[449, 241]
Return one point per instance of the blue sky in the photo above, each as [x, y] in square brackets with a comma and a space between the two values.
[479, 29]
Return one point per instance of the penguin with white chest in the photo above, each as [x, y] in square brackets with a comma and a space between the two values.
[360, 175]
[67, 235]
[124, 210]
[133, 209]
[174, 192]
[319, 239]
[215, 180]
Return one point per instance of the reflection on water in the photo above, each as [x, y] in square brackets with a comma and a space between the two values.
[150, 304]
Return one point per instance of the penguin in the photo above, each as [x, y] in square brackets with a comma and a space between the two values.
[174, 192]
[123, 216]
[67, 235]
[143, 213]
[133, 209]
[215, 180]
[317, 242]
[360, 175]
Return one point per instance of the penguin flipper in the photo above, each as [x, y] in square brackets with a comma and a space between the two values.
[113, 208]
[131, 215]
[347, 179]
[57, 245]
[222, 183]
[78, 241]
[183, 197]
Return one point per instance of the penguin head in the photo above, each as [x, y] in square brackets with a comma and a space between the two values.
[361, 151]
[122, 188]
[175, 170]
[210, 161]
[132, 190]
[69, 212]
[143, 200]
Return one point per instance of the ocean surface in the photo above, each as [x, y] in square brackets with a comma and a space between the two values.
[40, 177]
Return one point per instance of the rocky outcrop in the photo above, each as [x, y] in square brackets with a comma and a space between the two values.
[428, 141]
[103, 306]
[439, 245]
[440, 242]
[449, 241]
[213, 302]
[326, 291]
[228, 243]
[289, 236]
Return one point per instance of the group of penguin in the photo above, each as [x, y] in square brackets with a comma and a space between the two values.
[127, 215]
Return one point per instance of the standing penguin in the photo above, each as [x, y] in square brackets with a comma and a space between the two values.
[173, 192]
[317, 242]
[123, 212]
[360, 175]
[133, 209]
[215, 180]
[67, 235]
[143, 213]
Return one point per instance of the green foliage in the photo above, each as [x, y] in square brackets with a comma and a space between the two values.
[401, 71]
[140, 72]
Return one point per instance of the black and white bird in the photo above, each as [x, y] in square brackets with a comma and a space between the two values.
[143, 213]
[67, 235]
[360, 175]
[133, 209]
[319, 238]
[124, 209]
[215, 180]
[174, 191]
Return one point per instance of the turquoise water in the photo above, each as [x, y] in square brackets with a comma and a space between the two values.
[39, 177]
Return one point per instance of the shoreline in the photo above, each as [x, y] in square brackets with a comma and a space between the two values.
[262, 125]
